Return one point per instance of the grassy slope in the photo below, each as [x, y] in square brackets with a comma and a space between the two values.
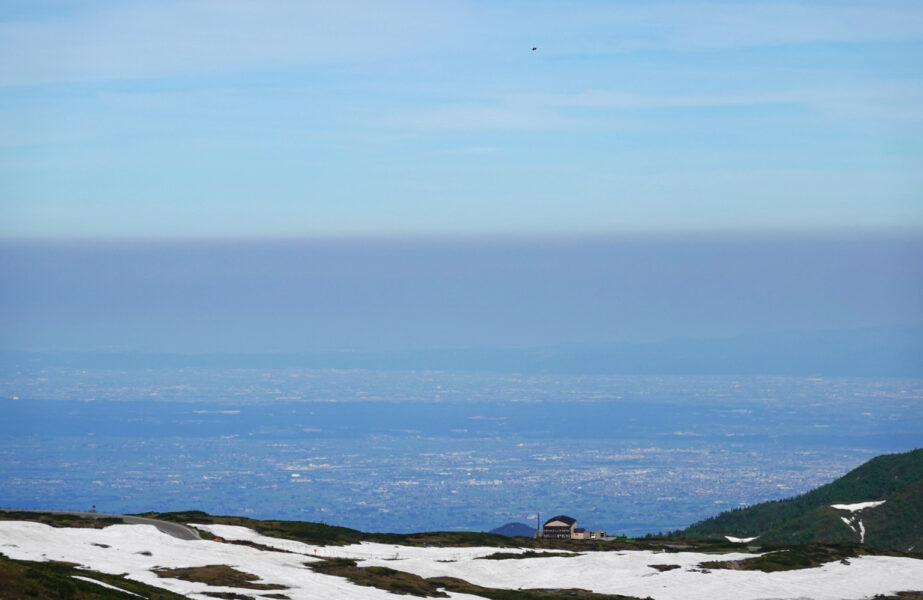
[21, 579]
[804, 556]
[58, 520]
[898, 524]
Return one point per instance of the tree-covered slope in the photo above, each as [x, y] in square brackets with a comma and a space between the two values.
[898, 523]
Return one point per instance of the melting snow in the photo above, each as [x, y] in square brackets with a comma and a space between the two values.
[105, 585]
[738, 540]
[855, 508]
[362, 551]
[138, 549]
[859, 506]
[630, 573]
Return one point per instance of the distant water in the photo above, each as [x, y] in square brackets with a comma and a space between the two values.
[402, 451]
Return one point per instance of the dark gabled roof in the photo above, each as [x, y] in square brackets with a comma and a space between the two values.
[563, 519]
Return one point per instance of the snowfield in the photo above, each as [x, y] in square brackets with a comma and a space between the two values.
[138, 549]
[629, 573]
[363, 551]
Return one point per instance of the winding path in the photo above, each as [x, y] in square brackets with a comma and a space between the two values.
[177, 530]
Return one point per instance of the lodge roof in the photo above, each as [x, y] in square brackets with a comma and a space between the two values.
[563, 519]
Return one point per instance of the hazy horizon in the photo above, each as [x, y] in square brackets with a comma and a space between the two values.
[489, 294]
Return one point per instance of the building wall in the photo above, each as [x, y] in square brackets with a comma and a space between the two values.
[562, 531]
[557, 529]
[596, 534]
[558, 532]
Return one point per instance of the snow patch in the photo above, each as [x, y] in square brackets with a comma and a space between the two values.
[361, 551]
[859, 506]
[854, 509]
[849, 524]
[105, 585]
[738, 540]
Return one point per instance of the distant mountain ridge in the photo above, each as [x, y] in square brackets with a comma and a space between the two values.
[515, 530]
[879, 503]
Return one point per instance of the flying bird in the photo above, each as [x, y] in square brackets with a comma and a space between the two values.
[534, 48]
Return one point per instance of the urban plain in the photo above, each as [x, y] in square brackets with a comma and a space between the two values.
[437, 450]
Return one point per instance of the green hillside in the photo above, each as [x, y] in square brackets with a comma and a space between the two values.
[22, 579]
[898, 523]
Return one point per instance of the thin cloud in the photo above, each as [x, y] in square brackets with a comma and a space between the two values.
[895, 94]
[617, 28]
[148, 40]
[470, 151]
[143, 40]
[489, 117]
[611, 110]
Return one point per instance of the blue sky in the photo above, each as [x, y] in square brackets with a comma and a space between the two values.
[232, 119]
[653, 171]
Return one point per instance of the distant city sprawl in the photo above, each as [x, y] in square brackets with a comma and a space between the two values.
[412, 451]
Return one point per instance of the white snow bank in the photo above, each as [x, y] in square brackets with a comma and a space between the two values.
[854, 518]
[138, 549]
[129, 546]
[105, 585]
[859, 506]
[630, 573]
[363, 550]
[738, 540]
[245, 534]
